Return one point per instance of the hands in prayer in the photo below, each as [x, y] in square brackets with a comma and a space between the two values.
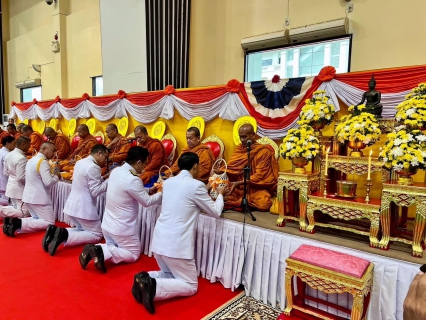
[414, 306]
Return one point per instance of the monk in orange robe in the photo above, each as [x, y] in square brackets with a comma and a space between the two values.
[11, 128]
[207, 158]
[117, 145]
[263, 175]
[36, 140]
[61, 142]
[85, 145]
[3, 134]
[157, 154]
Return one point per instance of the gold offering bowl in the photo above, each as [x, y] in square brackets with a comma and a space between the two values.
[346, 189]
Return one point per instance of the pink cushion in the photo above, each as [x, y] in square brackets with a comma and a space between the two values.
[331, 260]
[99, 139]
[45, 138]
[214, 147]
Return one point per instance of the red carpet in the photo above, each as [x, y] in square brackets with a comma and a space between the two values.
[37, 286]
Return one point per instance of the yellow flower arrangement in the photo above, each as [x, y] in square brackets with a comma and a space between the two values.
[357, 110]
[412, 111]
[318, 108]
[300, 143]
[403, 149]
[363, 127]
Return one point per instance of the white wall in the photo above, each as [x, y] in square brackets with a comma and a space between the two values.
[123, 36]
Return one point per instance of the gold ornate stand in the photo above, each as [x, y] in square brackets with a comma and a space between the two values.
[405, 196]
[328, 281]
[352, 165]
[304, 182]
[345, 209]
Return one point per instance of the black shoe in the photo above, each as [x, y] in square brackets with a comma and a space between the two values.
[61, 235]
[14, 224]
[6, 220]
[5, 227]
[148, 287]
[98, 258]
[136, 291]
[85, 256]
[48, 237]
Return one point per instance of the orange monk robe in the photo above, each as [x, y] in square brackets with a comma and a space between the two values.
[16, 135]
[207, 160]
[119, 150]
[83, 149]
[263, 177]
[156, 159]
[36, 142]
[62, 144]
[3, 134]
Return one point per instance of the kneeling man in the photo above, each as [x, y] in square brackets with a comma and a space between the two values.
[125, 193]
[173, 242]
[87, 185]
[38, 180]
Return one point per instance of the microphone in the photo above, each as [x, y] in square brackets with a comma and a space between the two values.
[132, 139]
[248, 143]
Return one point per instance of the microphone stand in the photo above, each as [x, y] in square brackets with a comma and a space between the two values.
[247, 170]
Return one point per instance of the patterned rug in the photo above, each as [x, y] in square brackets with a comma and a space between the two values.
[244, 308]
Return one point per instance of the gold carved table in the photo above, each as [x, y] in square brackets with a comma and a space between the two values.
[306, 183]
[404, 196]
[345, 209]
[327, 271]
[351, 165]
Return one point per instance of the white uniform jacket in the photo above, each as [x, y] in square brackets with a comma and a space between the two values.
[3, 178]
[37, 185]
[125, 193]
[14, 168]
[87, 185]
[183, 199]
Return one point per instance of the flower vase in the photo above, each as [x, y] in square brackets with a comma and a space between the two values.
[299, 164]
[318, 126]
[405, 175]
[356, 147]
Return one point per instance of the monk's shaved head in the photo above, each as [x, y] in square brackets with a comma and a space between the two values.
[195, 130]
[26, 130]
[246, 133]
[50, 133]
[141, 129]
[49, 130]
[83, 131]
[112, 126]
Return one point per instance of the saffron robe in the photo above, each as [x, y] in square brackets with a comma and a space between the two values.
[119, 150]
[207, 160]
[36, 142]
[83, 149]
[156, 159]
[62, 144]
[263, 176]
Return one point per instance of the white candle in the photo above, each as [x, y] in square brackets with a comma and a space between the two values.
[369, 165]
[326, 161]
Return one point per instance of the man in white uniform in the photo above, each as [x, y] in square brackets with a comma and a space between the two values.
[38, 180]
[119, 225]
[174, 236]
[87, 185]
[14, 169]
[8, 143]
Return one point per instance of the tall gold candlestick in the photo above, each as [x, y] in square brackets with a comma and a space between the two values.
[325, 185]
[369, 166]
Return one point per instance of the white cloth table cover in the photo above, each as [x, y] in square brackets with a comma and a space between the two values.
[220, 257]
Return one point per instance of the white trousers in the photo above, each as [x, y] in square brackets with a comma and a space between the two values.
[17, 209]
[121, 248]
[41, 216]
[85, 231]
[177, 277]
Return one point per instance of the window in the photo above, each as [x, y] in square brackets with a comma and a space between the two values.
[298, 61]
[28, 94]
[97, 86]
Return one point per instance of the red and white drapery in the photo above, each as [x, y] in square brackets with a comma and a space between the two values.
[232, 101]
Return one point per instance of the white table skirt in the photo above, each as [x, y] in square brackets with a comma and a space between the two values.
[220, 257]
